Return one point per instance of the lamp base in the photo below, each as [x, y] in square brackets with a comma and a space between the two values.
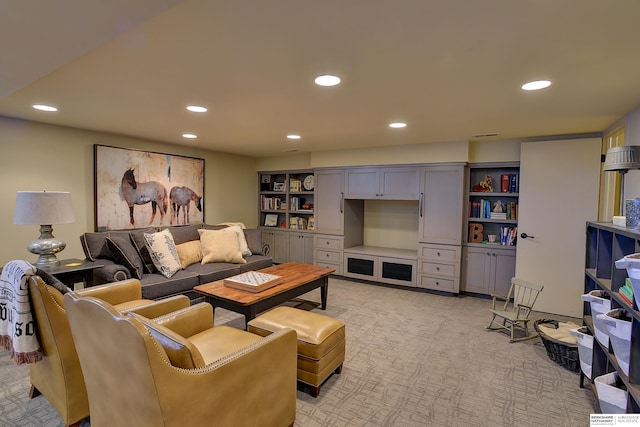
[47, 246]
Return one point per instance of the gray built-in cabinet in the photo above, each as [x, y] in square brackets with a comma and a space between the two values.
[488, 267]
[441, 195]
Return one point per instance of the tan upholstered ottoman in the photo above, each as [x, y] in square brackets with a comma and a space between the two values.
[321, 341]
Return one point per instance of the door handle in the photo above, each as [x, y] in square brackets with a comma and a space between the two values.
[526, 236]
[341, 202]
[420, 204]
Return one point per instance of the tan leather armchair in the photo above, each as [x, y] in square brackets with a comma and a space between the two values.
[58, 375]
[179, 370]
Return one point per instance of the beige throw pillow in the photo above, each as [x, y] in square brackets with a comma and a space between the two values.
[163, 252]
[242, 240]
[220, 246]
[189, 253]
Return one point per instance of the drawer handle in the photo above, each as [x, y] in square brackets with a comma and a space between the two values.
[438, 253]
[437, 268]
[327, 255]
[327, 243]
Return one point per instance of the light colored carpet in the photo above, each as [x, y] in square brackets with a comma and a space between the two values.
[412, 359]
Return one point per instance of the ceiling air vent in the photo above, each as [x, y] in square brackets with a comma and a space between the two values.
[484, 135]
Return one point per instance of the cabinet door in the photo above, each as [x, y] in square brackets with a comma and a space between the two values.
[280, 247]
[476, 268]
[399, 183]
[441, 192]
[329, 202]
[301, 248]
[504, 268]
[362, 183]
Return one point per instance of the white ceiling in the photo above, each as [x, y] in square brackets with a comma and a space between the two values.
[449, 68]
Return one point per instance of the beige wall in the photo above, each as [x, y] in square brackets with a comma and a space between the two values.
[39, 156]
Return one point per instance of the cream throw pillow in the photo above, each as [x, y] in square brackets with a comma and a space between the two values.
[189, 253]
[163, 252]
[242, 240]
[220, 246]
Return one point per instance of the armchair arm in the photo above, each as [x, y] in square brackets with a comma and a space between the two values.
[116, 292]
[188, 321]
[161, 307]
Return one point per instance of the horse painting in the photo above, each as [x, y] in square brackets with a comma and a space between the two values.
[183, 196]
[140, 193]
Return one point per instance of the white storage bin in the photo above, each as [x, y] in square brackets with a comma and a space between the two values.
[613, 399]
[632, 264]
[585, 349]
[618, 323]
[600, 303]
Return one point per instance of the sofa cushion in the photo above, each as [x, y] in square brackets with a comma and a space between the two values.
[253, 237]
[189, 252]
[156, 286]
[137, 237]
[94, 244]
[220, 246]
[184, 233]
[164, 254]
[242, 241]
[123, 252]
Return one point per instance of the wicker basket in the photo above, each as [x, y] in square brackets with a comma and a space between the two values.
[563, 353]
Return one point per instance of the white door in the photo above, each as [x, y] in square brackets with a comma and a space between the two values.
[559, 184]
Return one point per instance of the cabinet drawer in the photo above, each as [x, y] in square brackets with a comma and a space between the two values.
[327, 242]
[440, 270]
[446, 285]
[336, 267]
[440, 253]
[328, 256]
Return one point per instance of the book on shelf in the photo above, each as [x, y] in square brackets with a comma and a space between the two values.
[252, 281]
[504, 183]
[498, 215]
[508, 236]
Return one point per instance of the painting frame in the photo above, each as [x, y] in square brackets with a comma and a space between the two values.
[139, 189]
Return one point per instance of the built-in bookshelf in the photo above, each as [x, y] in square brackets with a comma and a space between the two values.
[492, 203]
[287, 200]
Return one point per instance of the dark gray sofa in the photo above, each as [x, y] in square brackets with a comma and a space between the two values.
[123, 255]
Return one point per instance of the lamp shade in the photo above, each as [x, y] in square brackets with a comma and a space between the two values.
[43, 207]
[622, 158]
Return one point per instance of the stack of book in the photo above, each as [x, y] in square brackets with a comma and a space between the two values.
[626, 292]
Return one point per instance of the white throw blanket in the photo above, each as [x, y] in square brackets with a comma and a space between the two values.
[17, 326]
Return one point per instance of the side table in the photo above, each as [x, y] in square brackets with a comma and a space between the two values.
[72, 271]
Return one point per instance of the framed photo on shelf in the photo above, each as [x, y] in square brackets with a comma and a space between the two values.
[278, 186]
[271, 220]
[311, 223]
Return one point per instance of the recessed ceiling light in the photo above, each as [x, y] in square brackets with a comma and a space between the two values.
[327, 80]
[537, 85]
[293, 136]
[42, 107]
[397, 125]
[197, 109]
[189, 136]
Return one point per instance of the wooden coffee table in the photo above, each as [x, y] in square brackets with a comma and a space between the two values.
[298, 279]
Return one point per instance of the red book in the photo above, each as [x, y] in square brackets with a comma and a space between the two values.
[504, 182]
